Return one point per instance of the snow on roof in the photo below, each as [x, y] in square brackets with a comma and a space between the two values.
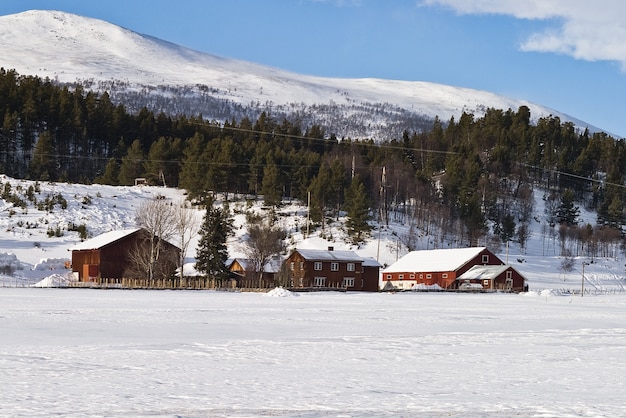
[370, 262]
[104, 239]
[329, 255]
[483, 272]
[434, 260]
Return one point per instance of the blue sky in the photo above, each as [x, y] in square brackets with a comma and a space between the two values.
[566, 54]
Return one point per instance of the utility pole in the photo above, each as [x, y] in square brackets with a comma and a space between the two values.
[582, 281]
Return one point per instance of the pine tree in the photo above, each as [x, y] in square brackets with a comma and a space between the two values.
[271, 188]
[110, 175]
[43, 165]
[212, 253]
[132, 164]
[358, 209]
[192, 175]
[567, 213]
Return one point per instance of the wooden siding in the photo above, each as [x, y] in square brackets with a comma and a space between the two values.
[303, 272]
[370, 279]
[445, 279]
[112, 260]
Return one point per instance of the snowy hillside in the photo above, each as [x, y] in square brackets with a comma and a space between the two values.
[30, 250]
[68, 48]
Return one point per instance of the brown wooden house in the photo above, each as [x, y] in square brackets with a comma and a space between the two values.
[435, 268]
[108, 255]
[244, 268]
[332, 269]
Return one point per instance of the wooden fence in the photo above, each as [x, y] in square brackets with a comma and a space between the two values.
[187, 283]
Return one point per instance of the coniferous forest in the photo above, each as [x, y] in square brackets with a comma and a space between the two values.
[469, 178]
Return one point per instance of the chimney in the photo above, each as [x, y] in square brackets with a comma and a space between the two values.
[331, 248]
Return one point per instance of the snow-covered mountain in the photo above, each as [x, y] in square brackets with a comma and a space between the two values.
[135, 67]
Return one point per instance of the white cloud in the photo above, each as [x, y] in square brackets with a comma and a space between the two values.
[584, 29]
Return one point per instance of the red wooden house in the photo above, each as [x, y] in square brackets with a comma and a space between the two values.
[332, 269]
[435, 268]
[108, 255]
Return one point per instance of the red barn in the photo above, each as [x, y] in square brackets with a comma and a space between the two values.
[435, 268]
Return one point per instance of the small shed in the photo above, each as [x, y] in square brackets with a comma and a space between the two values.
[244, 268]
[108, 255]
[503, 277]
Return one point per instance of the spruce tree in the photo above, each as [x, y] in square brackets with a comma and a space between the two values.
[212, 253]
[567, 213]
[358, 210]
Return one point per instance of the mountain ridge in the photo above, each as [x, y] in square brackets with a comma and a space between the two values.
[96, 52]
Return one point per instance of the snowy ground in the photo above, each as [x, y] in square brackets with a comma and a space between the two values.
[77, 352]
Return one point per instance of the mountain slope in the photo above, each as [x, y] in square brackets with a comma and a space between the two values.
[68, 48]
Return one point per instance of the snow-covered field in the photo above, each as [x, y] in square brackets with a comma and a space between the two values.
[77, 352]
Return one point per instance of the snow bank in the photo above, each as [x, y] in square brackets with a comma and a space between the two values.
[55, 280]
[542, 293]
[9, 263]
[280, 292]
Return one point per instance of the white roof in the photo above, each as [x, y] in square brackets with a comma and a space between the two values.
[370, 262]
[434, 260]
[483, 272]
[104, 239]
[329, 255]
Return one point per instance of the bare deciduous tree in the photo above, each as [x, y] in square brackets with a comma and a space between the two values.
[159, 218]
[142, 262]
[264, 241]
[187, 226]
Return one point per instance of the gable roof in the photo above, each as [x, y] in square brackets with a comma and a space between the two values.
[103, 240]
[434, 260]
[329, 255]
[484, 272]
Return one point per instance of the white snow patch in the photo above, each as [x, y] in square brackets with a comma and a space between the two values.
[280, 292]
[54, 280]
